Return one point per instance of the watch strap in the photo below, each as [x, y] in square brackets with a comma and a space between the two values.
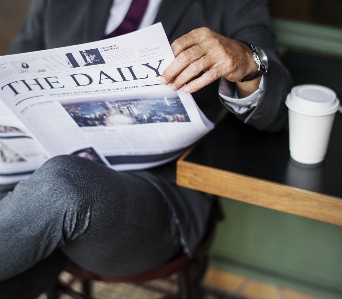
[251, 76]
[257, 61]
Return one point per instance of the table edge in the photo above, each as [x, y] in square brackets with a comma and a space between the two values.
[261, 192]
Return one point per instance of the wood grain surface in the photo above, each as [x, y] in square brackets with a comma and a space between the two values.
[259, 192]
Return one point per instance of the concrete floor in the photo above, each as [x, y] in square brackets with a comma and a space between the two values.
[217, 285]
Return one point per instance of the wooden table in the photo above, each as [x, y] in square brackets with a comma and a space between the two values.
[238, 162]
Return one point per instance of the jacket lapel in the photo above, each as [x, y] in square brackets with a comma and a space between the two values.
[170, 12]
[98, 12]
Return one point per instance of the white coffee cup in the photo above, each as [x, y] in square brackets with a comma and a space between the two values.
[311, 114]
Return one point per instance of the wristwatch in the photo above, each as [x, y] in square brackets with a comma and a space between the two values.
[260, 60]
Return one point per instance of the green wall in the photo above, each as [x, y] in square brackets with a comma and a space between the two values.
[308, 37]
[280, 248]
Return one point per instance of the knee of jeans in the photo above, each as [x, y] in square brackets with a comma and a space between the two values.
[67, 181]
[57, 168]
[63, 178]
[78, 182]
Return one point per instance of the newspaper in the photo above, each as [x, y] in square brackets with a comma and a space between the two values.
[102, 100]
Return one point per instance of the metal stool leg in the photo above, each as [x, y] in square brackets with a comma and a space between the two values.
[52, 293]
[189, 281]
[67, 289]
[185, 285]
[86, 288]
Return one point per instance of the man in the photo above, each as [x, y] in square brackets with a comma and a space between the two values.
[121, 223]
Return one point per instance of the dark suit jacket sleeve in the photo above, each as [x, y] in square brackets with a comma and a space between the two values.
[31, 35]
[59, 23]
[251, 23]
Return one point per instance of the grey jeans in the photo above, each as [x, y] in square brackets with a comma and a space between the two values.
[113, 223]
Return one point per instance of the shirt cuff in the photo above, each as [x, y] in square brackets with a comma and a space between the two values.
[230, 99]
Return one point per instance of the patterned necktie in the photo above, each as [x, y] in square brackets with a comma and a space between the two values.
[132, 19]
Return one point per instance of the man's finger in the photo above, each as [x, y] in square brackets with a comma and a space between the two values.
[181, 62]
[207, 78]
[194, 69]
[188, 40]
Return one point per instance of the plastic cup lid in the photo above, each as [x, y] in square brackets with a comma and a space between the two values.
[312, 100]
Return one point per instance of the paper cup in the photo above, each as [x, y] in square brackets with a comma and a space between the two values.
[311, 114]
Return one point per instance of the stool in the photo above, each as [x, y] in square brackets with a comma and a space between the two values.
[190, 271]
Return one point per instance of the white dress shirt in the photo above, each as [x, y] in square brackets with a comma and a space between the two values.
[227, 89]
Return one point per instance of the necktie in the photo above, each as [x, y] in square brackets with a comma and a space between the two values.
[132, 19]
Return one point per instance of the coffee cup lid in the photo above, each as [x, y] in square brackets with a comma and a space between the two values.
[312, 99]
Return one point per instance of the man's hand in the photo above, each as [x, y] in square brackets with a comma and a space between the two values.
[212, 54]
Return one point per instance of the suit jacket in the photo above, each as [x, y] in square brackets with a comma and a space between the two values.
[56, 23]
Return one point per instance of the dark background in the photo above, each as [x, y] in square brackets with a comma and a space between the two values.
[327, 12]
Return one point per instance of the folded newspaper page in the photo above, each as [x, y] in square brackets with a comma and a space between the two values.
[102, 100]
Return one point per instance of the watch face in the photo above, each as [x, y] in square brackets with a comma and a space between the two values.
[262, 57]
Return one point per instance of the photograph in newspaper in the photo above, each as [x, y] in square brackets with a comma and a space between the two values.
[8, 155]
[90, 154]
[136, 109]
[20, 154]
[85, 58]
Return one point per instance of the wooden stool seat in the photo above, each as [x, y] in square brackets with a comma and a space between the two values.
[180, 263]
